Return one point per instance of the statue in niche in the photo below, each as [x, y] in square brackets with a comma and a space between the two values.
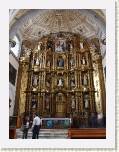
[60, 82]
[81, 45]
[35, 80]
[85, 79]
[60, 46]
[48, 63]
[39, 46]
[60, 62]
[86, 104]
[72, 62]
[73, 103]
[83, 61]
[72, 82]
[34, 103]
[71, 46]
[47, 101]
[48, 83]
[37, 61]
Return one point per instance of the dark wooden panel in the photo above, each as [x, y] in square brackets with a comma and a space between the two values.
[87, 133]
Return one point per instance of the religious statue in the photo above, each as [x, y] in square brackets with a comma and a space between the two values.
[72, 82]
[73, 103]
[34, 103]
[85, 79]
[71, 46]
[60, 46]
[60, 82]
[60, 62]
[48, 63]
[37, 61]
[81, 45]
[83, 60]
[39, 46]
[86, 103]
[72, 62]
[47, 102]
[48, 83]
[35, 80]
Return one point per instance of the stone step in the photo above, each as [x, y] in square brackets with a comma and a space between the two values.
[46, 133]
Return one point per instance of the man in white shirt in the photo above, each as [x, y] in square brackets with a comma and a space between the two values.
[36, 126]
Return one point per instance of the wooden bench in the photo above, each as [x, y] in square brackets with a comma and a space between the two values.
[12, 133]
[87, 133]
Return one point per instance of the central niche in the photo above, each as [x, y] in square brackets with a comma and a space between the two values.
[60, 45]
[60, 62]
[60, 105]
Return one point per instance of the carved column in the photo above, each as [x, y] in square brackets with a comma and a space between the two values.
[91, 93]
[67, 79]
[81, 102]
[39, 104]
[102, 84]
[53, 61]
[75, 73]
[78, 79]
[76, 97]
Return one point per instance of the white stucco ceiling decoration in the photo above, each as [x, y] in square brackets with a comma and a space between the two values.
[32, 24]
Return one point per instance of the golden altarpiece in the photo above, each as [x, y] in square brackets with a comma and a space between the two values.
[60, 75]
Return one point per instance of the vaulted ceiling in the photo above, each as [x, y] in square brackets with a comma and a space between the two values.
[33, 24]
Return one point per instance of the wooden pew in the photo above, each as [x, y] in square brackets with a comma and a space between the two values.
[12, 133]
[87, 133]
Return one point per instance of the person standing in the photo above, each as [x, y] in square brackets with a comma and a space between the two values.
[36, 126]
[25, 127]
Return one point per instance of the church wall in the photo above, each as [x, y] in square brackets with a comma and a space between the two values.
[12, 88]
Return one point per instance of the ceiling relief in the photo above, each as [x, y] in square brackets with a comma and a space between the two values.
[34, 24]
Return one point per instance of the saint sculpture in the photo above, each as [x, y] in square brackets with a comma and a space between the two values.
[81, 45]
[60, 82]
